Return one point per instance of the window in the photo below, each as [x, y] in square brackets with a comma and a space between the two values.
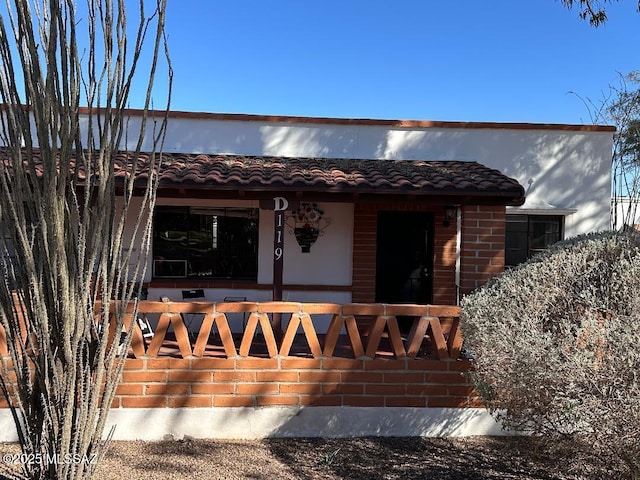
[191, 242]
[527, 235]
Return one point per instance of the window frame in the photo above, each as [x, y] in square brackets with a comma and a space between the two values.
[206, 237]
[523, 253]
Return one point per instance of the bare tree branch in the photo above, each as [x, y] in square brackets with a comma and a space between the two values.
[592, 10]
[67, 215]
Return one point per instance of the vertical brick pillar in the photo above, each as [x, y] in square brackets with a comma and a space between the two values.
[365, 224]
[482, 256]
[444, 259]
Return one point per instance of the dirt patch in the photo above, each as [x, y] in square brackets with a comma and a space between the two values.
[331, 459]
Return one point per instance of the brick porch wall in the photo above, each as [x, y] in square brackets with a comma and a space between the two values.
[206, 382]
[252, 382]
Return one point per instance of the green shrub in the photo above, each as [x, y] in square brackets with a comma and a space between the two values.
[556, 343]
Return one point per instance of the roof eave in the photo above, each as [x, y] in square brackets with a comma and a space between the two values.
[513, 197]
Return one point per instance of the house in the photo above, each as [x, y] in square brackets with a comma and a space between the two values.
[367, 233]
[407, 211]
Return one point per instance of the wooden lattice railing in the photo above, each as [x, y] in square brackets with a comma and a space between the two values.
[370, 330]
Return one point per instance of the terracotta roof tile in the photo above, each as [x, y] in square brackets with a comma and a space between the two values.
[413, 177]
[337, 175]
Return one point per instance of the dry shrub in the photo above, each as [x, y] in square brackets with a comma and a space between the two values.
[555, 342]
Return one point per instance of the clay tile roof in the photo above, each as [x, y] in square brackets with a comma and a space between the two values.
[338, 175]
[327, 175]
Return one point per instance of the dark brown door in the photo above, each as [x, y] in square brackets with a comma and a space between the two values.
[404, 262]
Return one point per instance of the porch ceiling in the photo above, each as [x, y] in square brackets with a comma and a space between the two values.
[468, 180]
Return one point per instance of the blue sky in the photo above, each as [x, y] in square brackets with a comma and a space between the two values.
[503, 60]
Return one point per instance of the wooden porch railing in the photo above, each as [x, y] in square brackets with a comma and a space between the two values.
[370, 330]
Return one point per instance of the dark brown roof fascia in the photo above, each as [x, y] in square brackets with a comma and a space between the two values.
[371, 196]
[241, 117]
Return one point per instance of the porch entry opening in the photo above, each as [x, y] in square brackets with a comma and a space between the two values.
[404, 257]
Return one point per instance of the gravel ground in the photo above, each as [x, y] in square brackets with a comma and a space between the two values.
[324, 459]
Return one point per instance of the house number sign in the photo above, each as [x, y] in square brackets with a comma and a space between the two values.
[280, 205]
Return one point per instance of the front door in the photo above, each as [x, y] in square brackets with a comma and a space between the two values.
[404, 260]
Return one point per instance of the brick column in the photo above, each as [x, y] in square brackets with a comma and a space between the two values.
[482, 256]
[365, 223]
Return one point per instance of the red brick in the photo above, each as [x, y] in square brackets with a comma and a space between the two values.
[277, 376]
[213, 364]
[234, 376]
[189, 401]
[320, 377]
[385, 364]
[342, 364]
[143, 377]
[361, 377]
[493, 222]
[385, 389]
[343, 389]
[122, 389]
[179, 364]
[267, 400]
[427, 365]
[447, 402]
[472, 216]
[364, 401]
[257, 363]
[305, 388]
[461, 390]
[446, 378]
[167, 388]
[477, 262]
[134, 364]
[189, 376]
[422, 389]
[159, 401]
[460, 366]
[256, 388]
[320, 401]
[213, 388]
[405, 402]
[158, 363]
[403, 377]
[481, 229]
[233, 401]
[488, 254]
[301, 364]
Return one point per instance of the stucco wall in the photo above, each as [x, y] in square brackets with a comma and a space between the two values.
[328, 262]
[565, 168]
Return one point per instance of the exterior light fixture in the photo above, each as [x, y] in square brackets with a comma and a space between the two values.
[450, 212]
